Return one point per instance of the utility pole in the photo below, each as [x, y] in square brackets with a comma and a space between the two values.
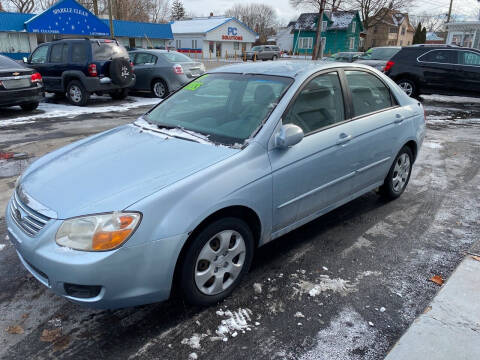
[449, 11]
[95, 7]
[112, 33]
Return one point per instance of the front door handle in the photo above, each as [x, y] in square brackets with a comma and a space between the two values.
[398, 119]
[344, 138]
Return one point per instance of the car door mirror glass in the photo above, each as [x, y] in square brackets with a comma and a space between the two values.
[25, 60]
[288, 135]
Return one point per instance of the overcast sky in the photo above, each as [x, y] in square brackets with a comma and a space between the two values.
[467, 8]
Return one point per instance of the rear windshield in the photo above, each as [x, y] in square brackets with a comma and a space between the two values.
[108, 50]
[174, 56]
[6, 62]
[380, 54]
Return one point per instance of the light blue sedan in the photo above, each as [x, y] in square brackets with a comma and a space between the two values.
[186, 194]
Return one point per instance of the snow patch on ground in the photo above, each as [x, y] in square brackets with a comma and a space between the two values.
[451, 99]
[432, 145]
[257, 288]
[51, 110]
[2, 246]
[340, 286]
[239, 320]
[194, 340]
[360, 243]
[349, 336]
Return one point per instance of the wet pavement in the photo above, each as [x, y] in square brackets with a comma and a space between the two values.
[345, 286]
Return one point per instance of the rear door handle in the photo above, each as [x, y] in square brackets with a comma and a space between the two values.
[398, 119]
[344, 138]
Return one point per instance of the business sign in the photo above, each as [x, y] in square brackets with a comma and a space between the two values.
[67, 17]
[232, 34]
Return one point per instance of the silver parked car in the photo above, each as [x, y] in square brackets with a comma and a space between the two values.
[163, 71]
[263, 52]
[189, 191]
[378, 57]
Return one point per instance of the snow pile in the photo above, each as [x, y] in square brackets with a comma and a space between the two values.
[2, 246]
[237, 321]
[51, 110]
[194, 341]
[337, 285]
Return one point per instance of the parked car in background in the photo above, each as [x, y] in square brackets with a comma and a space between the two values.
[80, 67]
[263, 52]
[188, 192]
[440, 69]
[377, 57]
[19, 85]
[162, 72]
[344, 57]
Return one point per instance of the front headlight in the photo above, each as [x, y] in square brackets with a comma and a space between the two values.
[97, 232]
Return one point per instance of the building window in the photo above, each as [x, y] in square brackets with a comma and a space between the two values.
[354, 26]
[178, 44]
[11, 42]
[393, 30]
[401, 42]
[236, 45]
[403, 30]
[305, 43]
[375, 29]
[324, 25]
[352, 43]
[194, 44]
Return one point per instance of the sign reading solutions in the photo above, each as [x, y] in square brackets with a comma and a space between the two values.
[67, 17]
[232, 34]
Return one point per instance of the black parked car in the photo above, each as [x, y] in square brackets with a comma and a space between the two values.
[447, 70]
[19, 85]
[79, 67]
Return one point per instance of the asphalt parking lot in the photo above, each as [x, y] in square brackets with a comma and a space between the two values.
[345, 286]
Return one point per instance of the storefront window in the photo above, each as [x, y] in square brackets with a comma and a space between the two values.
[236, 46]
[11, 42]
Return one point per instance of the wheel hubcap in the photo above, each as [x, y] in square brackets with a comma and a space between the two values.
[401, 172]
[406, 87]
[159, 89]
[75, 93]
[220, 262]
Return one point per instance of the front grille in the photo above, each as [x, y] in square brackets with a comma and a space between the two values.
[27, 219]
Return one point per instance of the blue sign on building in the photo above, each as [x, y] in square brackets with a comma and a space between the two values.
[67, 17]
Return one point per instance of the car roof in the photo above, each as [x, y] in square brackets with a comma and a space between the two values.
[154, 51]
[290, 68]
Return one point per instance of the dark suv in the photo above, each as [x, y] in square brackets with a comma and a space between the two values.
[446, 70]
[79, 67]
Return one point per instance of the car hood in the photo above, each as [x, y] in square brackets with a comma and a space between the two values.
[112, 170]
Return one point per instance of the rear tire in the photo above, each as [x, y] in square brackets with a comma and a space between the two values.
[215, 262]
[29, 106]
[274, 57]
[77, 94]
[119, 94]
[397, 179]
[159, 89]
[408, 86]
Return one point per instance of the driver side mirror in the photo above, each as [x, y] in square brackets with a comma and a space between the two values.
[288, 135]
[25, 60]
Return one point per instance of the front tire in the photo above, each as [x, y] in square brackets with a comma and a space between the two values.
[77, 94]
[399, 175]
[274, 57]
[216, 261]
[29, 106]
[409, 87]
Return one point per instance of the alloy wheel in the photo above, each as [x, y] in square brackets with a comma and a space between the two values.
[401, 171]
[220, 262]
[406, 87]
[75, 93]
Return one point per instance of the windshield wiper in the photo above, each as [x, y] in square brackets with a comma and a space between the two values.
[181, 128]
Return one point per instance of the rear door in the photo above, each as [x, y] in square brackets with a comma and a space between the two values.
[440, 70]
[469, 70]
[377, 127]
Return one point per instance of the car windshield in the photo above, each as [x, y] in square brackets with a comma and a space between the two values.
[379, 54]
[226, 108]
[175, 57]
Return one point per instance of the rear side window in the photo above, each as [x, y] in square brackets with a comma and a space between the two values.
[318, 105]
[469, 58]
[39, 56]
[440, 57]
[79, 53]
[174, 56]
[103, 51]
[6, 62]
[59, 53]
[369, 93]
[144, 58]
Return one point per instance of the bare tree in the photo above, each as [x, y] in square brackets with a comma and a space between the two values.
[23, 6]
[1, 6]
[160, 11]
[432, 23]
[259, 17]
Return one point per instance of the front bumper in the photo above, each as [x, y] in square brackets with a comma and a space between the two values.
[20, 96]
[128, 276]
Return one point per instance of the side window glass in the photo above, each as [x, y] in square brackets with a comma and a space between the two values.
[58, 52]
[39, 56]
[79, 53]
[369, 93]
[470, 58]
[319, 104]
[143, 58]
[440, 57]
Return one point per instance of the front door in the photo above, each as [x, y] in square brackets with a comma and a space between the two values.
[312, 175]
[439, 67]
[58, 63]
[469, 72]
[144, 64]
[219, 49]
[38, 59]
